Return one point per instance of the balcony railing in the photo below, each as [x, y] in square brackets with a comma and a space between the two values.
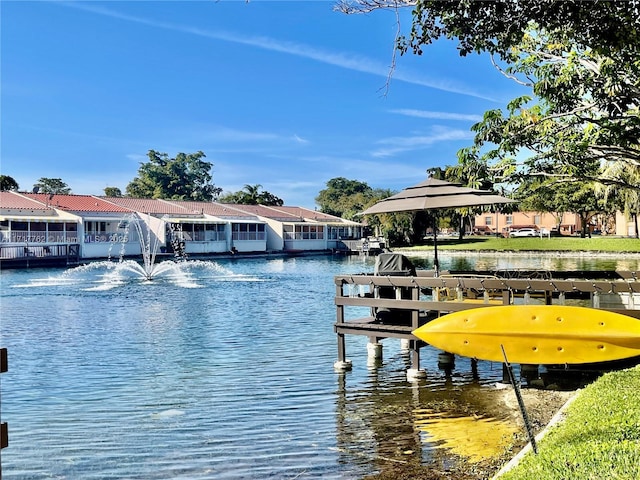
[249, 235]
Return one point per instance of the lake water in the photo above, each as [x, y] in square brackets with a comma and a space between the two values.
[221, 371]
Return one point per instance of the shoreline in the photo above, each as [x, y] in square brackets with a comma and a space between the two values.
[545, 409]
[522, 253]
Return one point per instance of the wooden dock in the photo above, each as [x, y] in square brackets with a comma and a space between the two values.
[400, 304]
[38, 255]
[363, 246]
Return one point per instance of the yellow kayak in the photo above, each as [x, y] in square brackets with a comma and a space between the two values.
[535, 334]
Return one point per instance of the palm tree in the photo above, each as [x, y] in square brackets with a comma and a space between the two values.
[251, 194]
[628, 199]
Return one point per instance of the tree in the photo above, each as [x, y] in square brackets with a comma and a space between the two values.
[548, 195]
[497, 26]
[580, 61]
[8, 183]
[587, 111]
[231, 197]
[51, 186]
[267, 198]
[346, 198]
[112, 192]
[473, 175]
[397, 228]
[626, 199]
[252, 195]
[185, 177]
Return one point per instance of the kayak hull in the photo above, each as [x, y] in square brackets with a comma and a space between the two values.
[535, 334]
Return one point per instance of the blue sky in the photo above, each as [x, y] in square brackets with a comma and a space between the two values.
[283, 94]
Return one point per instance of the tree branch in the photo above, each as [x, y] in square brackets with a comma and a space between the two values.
[508, 75]
[368, 6]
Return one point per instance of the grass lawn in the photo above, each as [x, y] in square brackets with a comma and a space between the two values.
[561, 244]
[599, 438]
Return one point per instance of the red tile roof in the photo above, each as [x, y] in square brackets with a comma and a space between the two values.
[268, 212]
[77, 203]
[88, 203]
[15, 200]
[149, 205]
[214, 209]
[309, 214]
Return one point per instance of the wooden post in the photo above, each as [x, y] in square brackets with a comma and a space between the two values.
[415, 319]
[339, 320]
[506, 297]
[342, 364]
[4, 428]
[415, 355]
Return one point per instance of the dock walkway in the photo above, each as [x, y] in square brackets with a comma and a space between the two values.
[398, 305]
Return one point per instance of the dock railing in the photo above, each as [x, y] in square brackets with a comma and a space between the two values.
[36, 254]
[415, 300]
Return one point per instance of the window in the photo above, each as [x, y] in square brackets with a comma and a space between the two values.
[248, 231]
[509, 219]
[71, 232]
[95, 227]
[38, 227]
[37, 232]
[336, 233]
[536, 219]
[56, 232]
[19, 231]
[215, 232]
[5, 236]
[303, 232]
[104, 231]
[186, 231]
[488, 221]
[198, 232]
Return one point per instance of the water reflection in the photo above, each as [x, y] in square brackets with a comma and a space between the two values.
[374, 425]
[383, 420]
[474, 437]
[533, 261]
[461, 263]
[229, 380]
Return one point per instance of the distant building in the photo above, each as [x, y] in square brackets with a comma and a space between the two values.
[625, 226]
[42, 225]
[501, 223]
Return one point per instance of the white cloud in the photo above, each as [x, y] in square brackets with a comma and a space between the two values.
[343, 60]
[224, 134]
[403, 144]
[300, 139]
[437, 115]
[136, 157]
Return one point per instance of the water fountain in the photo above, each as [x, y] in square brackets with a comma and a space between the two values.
[147, 232]
[149, 245]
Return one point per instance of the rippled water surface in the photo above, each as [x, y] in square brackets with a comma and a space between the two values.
[217, 370]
